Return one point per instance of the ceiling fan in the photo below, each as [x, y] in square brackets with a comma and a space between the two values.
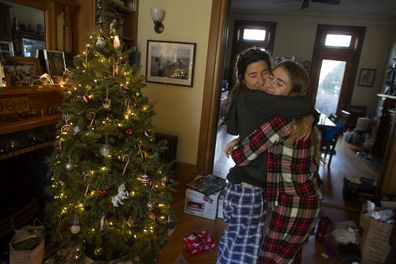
[305, 3]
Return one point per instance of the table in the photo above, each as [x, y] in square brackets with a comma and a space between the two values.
[324, 122]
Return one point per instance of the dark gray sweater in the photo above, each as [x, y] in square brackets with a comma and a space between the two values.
[249, 110]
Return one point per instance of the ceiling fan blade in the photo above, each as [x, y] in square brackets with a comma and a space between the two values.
[305, 4]
[330, 2]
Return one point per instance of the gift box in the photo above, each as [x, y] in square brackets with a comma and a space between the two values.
[197, 243]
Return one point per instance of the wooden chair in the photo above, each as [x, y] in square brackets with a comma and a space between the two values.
[331, 135]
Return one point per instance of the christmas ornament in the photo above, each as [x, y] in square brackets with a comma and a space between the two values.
[59, 143]
[106, 103]
[86, 190]
[122, 194]
[148, 155]
[151, 216]
[125, 88]
[113, 26]
[130, 222]
[102, 222]
[75, 228]
[91, 117]
[144, 178]
[150, 206]
[105, 150]
[100, 42]
[76, 130]
[146, 133]
[115, 69]
[126, 158]
[103, 192]
[129, 132]
[116, 42]
[86, 98]
[65, 128]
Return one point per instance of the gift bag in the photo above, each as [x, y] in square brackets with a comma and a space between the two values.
[27, 244]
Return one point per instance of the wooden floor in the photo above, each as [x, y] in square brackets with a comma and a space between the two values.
[344, 164]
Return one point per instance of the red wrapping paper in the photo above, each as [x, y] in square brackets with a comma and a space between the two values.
[197, 243]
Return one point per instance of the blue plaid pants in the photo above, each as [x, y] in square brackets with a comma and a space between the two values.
[244, 214]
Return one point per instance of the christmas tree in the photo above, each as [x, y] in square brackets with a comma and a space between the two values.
[110, 190]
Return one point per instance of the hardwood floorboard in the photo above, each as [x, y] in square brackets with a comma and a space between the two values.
[344, 164]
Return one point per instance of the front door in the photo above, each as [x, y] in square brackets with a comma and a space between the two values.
[334, 66]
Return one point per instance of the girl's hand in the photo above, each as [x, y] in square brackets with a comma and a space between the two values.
[229, 146]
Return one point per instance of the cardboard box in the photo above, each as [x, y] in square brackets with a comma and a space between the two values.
[199, 204]
[374, 243]
[388, 204]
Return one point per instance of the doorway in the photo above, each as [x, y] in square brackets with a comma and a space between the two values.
[334, 65]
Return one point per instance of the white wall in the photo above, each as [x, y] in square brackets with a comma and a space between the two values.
[178, 108]
[295, 36]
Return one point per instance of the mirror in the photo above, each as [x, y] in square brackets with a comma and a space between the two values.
[26, 29]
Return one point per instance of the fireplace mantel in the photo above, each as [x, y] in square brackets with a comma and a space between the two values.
[23, 111]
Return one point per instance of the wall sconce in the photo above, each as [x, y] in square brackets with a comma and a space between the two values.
[157, 15]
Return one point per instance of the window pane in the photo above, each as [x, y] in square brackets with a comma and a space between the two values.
[338, 40]
[330, 82]
[254, 34]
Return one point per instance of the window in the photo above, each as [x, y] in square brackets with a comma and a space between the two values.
[249, 34]
[336, 40]
[254, 34]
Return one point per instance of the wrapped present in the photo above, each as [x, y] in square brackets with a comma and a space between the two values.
[197, 243]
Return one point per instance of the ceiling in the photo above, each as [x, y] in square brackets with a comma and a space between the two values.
[379, 8]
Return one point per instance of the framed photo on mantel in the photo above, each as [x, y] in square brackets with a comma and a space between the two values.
[54, 62]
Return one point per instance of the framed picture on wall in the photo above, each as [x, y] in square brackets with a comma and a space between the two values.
[366, 77]
[170, 62]
[54, 62]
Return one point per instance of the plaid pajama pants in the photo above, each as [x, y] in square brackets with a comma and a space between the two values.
[244, 213]
[289, 225]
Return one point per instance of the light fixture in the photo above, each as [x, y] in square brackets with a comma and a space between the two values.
[157, 14]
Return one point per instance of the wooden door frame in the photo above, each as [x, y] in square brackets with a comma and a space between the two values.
[211, 95]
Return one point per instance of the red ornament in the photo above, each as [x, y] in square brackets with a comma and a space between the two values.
[129, 132]
[66, 128]
[86, 98]
[144, 179]
[125, 88]
[103, 192]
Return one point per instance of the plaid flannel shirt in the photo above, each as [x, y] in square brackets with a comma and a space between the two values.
[291, 167]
